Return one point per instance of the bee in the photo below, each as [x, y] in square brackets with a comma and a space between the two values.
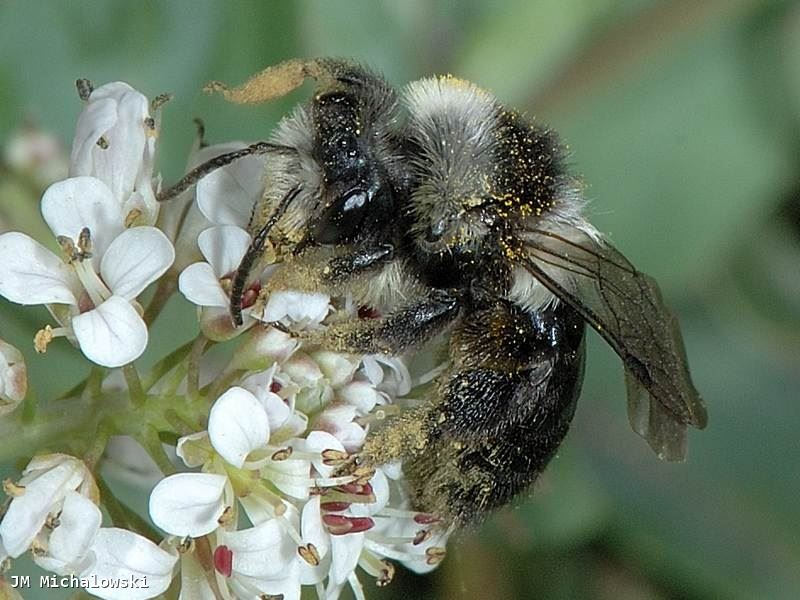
[453, 217]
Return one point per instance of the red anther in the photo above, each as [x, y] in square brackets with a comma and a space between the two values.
[341, 525]
[426, 519]
[251, 294]
[275, 387]
[367, 312]
[359, 489]
[223, 560]
[334, 506]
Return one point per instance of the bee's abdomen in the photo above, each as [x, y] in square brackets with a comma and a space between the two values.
[494, 429]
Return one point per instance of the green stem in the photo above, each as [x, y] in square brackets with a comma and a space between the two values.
[193, 371]
[166, 364]
[124, 516]
[166, 287]
[134, 384]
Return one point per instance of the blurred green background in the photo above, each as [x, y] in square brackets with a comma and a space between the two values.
[684, 119]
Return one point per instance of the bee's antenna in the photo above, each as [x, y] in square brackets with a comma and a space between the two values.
[215, 163]
[253, 253]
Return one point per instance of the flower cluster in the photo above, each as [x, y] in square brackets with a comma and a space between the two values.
[246, 435]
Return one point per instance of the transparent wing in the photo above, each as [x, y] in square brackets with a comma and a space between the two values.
[625, 307]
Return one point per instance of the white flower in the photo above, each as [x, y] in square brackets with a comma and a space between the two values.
[66, 550]
[207, 284]
[108, 268]
[38, 495]
[193, 503]
[227, 196]
[297, 309]
[115, 142]
[13, 378]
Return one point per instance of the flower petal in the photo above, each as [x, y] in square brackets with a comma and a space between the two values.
[237, 425]
[111, 335]
[264, 551]
[223, 247]
[226, 196]
[28, 512]
[97, 118]
[31, 274]
[135, 259]
[118, 164]
[72, 204]
[200, 285]
[299, 307]
[69, 542]
[345, 550]
[188, 503]
[313, 532]
[122, 555]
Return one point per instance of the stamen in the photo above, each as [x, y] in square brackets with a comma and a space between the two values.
[85, 243]
[334, 506]
[289, 528]
[102, 142]
[159, 101]
[186, 545]
[334, 458]
[94, 286]
[85, 89]
[355, 585]
[309, 554]
[12, 489]
[226, 517]
[223, 561]
[386, 575]
[282, 454]
[341, 525]
[42, 339]
[132, 217]
[435, 555]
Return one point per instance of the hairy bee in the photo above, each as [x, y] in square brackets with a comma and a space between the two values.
[448, 213]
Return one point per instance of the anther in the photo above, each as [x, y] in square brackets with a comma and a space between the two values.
[85, 243]
[309, 554]
[334, 458]
[282, 454]
[334, 506]
[435, 555]
[226, 517]
[102, 142]
[85, 89]
[132, 217]
[386, 575]
[14, 490]
[186, 545]
[42, 338]
[426, 519]
[159, 101]
[341, 525]
[223, 561]
[423, 535]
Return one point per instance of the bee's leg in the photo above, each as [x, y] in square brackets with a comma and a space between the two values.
[394, 333]
[364, 259]
[499, 417]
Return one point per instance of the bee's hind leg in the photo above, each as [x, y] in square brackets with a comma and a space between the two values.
[497, 418]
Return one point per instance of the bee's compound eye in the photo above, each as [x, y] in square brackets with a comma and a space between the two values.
[341, 220]
[436, 231]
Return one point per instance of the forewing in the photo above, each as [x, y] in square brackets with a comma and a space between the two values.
[625, 307]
